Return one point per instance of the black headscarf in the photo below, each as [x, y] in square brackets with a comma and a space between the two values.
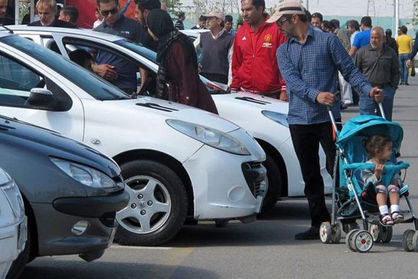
[161, 24]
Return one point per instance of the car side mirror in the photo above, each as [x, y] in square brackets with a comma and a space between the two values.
[40, 98]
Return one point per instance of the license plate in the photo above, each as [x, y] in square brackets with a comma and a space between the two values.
[22, 234]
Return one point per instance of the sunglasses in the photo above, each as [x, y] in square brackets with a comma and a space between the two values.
[112, 11]
[281, 21]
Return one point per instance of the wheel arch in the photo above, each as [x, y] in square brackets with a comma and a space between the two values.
[164, 159]
[277, 157]
[34, 250]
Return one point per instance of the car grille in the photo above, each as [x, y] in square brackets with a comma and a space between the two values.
[254, 174]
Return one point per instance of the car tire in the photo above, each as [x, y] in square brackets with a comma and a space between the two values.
[275, 184]
[158, 204]
[24, 257]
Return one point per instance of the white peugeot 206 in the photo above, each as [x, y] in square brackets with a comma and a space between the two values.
[263, 117]
[178, 161]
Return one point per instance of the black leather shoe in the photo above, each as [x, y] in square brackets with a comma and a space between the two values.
[312, 233]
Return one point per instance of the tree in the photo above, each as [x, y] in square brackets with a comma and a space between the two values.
[173, 6]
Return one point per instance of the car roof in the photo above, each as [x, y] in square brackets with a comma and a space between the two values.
[78, 31]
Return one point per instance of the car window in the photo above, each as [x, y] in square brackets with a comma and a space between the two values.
[89, 82]
[17, 81]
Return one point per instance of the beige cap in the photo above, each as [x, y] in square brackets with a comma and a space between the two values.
[219, 15]
[287, 8]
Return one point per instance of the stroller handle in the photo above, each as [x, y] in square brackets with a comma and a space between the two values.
[370, 166]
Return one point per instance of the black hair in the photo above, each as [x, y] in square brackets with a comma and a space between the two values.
[81, 57]
[328, 24]
[318, 15]
[404, 29]
[148, 4]
[366, 21]
[229, 18]
[106, 1]
[72, 12]
[375, 144]
[258, 3]
[353, 24]
[388, 33]
[335, 22]
[308, 15]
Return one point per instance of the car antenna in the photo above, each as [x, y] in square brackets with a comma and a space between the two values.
[7, 29]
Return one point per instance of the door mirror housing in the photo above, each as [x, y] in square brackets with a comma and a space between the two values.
[40, 98]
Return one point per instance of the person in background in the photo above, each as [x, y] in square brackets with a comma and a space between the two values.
[317, 20]
[254, 63]
[413, 52]
[120, 72]
[5, 17]
[391, 42]
[379, 63]
[99, 18]
[404, 42]
[177, 64]
[201, 24]
[179, 23]
[47, 10]
[142, 10]
[69, 14]
[353, 28]
[309, 62]
[229, 23]
[216, 47]
[363, 38]
[240, 22]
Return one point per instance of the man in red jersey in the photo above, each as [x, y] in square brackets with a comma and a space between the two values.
[254, 62]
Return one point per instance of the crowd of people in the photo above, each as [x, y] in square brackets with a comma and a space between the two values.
[292, 55]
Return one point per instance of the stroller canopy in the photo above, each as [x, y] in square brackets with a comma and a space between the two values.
[357, 129]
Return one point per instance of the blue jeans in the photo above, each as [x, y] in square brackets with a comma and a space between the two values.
[369, 106]
[404, 69]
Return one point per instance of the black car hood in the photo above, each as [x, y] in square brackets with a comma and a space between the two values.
[55, 145]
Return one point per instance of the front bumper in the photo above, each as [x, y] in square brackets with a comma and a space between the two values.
[221, 190]
[73, 226]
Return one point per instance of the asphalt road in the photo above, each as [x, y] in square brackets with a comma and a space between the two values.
[264, 249]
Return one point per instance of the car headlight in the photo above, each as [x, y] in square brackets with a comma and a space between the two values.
[209, 136]
[85, 175]
[280, 118]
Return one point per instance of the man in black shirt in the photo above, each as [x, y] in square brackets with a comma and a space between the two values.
[5, 18]
[380, 64]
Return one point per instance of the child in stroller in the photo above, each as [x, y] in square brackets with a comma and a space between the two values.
[352, 199]
[379, 149]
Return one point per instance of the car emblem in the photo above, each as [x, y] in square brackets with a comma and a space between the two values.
[95, 141]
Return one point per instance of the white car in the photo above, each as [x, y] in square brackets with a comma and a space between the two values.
[178, 161]
[13, 232]
[263, 117]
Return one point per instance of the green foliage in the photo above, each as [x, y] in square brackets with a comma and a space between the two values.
[173, 5]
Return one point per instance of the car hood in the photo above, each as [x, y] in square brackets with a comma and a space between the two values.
[53, 144]
[172, 110]
[253, 100]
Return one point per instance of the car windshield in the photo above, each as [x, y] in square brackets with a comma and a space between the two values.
[213, 87]
[88, 81]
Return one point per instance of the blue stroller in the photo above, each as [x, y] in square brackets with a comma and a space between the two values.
[352, 200]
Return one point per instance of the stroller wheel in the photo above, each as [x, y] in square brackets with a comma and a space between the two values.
[374, 230]
[336, 233]
[385, 234]
[362, 241]
[325, 232]
[415, 241]
[349, 238]
[407, 240]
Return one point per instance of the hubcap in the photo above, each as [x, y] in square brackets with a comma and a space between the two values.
[150, 205]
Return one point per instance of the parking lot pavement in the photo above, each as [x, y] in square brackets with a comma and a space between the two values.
[264, 249]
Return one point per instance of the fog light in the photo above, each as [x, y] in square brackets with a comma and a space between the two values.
[236, 194]
[80, 227]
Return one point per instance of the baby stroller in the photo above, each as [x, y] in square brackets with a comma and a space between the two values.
[352, 200]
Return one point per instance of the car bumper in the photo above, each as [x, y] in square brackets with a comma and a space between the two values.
[12, 242]
[77, 227]
[226, 186]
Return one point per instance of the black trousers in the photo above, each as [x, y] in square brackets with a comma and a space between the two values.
[306, 140]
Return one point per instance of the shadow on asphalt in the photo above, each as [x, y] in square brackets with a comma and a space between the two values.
[111, 270]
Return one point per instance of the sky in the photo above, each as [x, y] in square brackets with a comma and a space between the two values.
[352, 7]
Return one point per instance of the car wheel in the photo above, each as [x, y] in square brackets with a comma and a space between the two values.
[24, 257]
[157, 207]
[274, 181]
